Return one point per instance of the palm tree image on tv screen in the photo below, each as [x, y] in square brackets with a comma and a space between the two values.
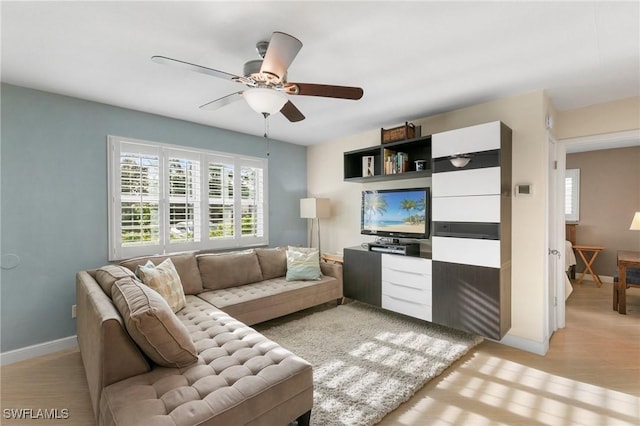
[395, 212]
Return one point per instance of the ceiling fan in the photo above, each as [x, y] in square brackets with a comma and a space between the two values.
[266, 80]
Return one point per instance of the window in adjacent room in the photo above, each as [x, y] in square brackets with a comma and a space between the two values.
[572, 195]
[166, 198]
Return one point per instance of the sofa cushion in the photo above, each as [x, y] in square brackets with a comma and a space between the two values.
[264, 290]
[184, 263]
[109, 274]
[302, 264]
[273, 262]
[152, 325]
[268, 299]
[165, 280]
[229, 269]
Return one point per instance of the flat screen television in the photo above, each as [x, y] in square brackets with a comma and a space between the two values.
[396, 213]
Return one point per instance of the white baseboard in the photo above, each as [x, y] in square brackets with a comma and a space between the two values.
[538, 348]
[40, 349]
[588, 277]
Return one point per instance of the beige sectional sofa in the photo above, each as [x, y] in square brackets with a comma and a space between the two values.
[202, 365]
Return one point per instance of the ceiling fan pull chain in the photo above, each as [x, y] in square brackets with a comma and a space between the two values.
[266, 130]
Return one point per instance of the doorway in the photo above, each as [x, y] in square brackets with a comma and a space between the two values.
[555, 302]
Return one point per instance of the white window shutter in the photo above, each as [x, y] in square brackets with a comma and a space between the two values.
[166, 198]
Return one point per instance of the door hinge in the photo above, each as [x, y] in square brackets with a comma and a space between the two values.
[555, 165]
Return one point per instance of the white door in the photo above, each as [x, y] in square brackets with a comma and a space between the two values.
[555, 239]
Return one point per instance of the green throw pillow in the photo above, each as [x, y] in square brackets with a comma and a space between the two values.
[302, 264]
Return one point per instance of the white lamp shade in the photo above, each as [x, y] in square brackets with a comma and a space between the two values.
[312, 208]
[635, 223]
[265, 101]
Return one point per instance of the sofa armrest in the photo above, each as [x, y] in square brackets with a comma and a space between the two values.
[332, 270]
[108, 353]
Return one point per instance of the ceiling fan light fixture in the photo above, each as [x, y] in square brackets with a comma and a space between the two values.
[265, 101]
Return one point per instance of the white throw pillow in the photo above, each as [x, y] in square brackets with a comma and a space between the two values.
[303, 264]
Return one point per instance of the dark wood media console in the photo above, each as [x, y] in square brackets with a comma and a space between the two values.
[362, 275]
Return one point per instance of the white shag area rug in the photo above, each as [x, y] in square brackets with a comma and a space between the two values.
[367, 361]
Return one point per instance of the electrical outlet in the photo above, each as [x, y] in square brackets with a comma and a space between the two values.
[73, 311]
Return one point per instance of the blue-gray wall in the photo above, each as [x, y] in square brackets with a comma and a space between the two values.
[53, 162]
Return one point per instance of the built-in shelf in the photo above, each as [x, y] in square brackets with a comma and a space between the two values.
[416, 149]
[406, 175]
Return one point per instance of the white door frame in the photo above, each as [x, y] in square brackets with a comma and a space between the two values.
[555, 291]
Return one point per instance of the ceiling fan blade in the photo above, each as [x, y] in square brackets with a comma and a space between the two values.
[324, 90]
[282, 50]
[292, 113]
[219, 103]
[193, 67]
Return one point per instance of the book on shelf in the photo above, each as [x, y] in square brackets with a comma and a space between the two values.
[395, 162]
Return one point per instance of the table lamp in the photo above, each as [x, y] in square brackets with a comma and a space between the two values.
[635, 223]
[315, 208]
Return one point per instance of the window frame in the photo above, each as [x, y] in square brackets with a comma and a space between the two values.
[203, 241]
[574, 176]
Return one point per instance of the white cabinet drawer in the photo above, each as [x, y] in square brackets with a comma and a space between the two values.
[416, 265]
[466, 182]
[483, 137]
[467, 251]
[408, 293]
[406, 279]
[478, 208]
[410, 308]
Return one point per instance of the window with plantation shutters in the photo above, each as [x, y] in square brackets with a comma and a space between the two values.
[166, 198]
[252, 201]
[221, 198]
[139, 193]
[572, 195]
[184, 197]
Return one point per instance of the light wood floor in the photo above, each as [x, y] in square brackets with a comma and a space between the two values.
[590, 376]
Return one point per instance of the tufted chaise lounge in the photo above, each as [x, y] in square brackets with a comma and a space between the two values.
[239, 377]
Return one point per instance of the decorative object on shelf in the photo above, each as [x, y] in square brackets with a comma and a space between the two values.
[460, 160]
[420, 165]
[368, 163]
[408, 131]
[315, 208]
[635, 223]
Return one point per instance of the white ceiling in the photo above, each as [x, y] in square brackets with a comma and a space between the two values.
[413, 59]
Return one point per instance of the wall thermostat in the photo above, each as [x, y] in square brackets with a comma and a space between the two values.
[524, 189]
